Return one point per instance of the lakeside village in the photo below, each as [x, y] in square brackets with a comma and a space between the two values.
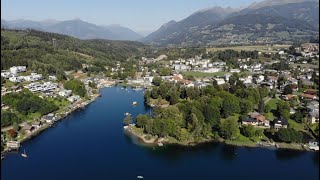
[22, 81]
[291, 79]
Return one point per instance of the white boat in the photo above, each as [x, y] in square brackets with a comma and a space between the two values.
[134, 103]
[24, 154]
[127, 114]
[140, 177]
[160, 144]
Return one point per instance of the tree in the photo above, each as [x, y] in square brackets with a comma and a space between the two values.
[287, 89]
[127, 120]
[156, 81]
[191, 92]
[195, 125]
[163, 90]
[149, 126]
[76, 86]
[283, 109]
[173, 97]
[317, 130]
[92, 85]
[290, 135]
[267, 108]
[15, 126]
[229, 128]
[248, 131]
[230, 104]
[212, 115]
[261, 106]
[246, 106]
[298, 116]
[165, 71]
[183, 134]
[259, 133]
[142, 120]
[154, 93]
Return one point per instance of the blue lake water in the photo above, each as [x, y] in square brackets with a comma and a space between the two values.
[91, 144]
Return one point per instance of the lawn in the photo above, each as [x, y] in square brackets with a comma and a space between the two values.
[203, 74]
[273, 103]
[295, 125]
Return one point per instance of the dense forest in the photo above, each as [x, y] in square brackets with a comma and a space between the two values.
[50, 53]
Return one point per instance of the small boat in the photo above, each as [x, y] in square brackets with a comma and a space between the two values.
[140, 177]
[24, 154]
[160, 144]
[127, 114]
[134, 103]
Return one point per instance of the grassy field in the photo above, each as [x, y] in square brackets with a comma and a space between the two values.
[305, 65]
[261, 48]
[295, 125]
[203, 74]
[273, 103]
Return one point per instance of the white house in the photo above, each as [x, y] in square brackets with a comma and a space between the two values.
[5, 74]
[73, 98]
[148, 78]
[16, 79]
[219, 81]
[234, 70]
[65, 93]
[53, 78]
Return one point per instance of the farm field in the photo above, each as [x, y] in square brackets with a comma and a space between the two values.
[261, 48]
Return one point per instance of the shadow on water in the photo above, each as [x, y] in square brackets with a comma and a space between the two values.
[228, 152]
[286, 154]
[315, 158]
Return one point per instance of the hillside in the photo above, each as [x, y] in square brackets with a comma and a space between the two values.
[263, 23]
[304, 11]
[76, 28]
[35, 49]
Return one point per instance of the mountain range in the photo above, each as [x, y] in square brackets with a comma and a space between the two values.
[76, 28]
[269, 21]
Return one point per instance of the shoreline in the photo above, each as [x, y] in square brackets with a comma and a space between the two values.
[46, 126]
[153, 142]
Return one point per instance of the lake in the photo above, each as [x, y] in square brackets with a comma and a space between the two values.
[91, 144]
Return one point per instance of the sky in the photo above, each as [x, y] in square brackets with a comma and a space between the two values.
[142, 16]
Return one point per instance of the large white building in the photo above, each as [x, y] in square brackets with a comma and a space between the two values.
[16, 69]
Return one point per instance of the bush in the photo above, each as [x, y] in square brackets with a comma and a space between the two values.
[290, 135]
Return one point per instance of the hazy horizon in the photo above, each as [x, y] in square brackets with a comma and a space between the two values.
[141, 16]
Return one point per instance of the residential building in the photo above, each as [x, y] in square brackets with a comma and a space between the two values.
[280, 123]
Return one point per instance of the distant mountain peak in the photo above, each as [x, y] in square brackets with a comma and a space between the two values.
[217, 9]
[266, 3]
